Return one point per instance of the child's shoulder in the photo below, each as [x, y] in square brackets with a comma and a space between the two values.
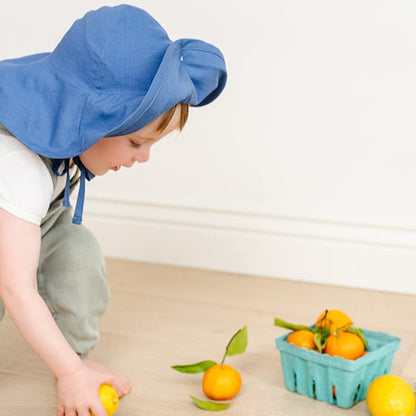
[10, 144]
[25, 182]
[12, 148]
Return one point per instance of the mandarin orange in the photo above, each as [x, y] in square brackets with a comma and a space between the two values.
[345, 344]
[221, 382]
[333, 319]
[302, 338]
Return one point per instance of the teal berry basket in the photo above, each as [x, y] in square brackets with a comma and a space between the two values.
[336, 380]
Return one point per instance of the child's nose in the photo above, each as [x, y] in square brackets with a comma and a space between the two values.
[143, 155]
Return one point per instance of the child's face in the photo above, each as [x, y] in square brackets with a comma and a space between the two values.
[110, 153]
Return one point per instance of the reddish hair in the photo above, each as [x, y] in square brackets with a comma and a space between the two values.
[168, 115]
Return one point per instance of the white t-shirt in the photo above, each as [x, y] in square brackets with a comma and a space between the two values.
[26, 186]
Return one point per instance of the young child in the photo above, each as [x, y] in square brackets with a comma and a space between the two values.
[115, 85]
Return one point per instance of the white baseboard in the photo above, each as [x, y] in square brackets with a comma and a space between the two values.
[305, 249]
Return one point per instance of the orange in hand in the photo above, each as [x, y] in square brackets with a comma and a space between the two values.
[302, 338]
[221, 382]
[345, 344]
[109, 399]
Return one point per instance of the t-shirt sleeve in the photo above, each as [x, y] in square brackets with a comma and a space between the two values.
[25, 183]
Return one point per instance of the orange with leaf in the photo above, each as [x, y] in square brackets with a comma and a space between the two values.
[220, 381]
[345, 344]
[333, 319]
[333, 334]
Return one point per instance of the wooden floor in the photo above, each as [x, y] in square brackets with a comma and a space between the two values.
[161, 316]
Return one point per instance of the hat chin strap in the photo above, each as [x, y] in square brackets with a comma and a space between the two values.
[85, 174]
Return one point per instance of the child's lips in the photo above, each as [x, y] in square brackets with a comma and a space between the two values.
[116, 168]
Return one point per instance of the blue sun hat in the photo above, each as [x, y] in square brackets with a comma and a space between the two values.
[113, 72]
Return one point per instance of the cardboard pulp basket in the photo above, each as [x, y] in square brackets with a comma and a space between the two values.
[336, 380]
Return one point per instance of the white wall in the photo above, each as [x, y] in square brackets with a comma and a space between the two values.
[305, 168]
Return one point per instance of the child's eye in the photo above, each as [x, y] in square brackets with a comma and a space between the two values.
[135, 144]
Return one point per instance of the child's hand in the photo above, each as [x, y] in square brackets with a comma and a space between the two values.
[78, 392]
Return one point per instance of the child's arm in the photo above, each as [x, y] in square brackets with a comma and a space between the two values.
[77, 385]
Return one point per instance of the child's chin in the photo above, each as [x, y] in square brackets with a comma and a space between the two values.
[99, 172]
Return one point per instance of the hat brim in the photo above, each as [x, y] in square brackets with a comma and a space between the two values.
[34, 100]
[60, 119]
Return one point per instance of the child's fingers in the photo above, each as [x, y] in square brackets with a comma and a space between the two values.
[60, 410]
[70, 412]
[97, 409]
[122, 385]
[86, 413]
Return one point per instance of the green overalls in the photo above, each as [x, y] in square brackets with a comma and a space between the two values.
[71, 275]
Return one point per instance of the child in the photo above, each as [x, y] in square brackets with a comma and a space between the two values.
[115, 85]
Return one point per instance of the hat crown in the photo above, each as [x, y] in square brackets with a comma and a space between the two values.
[112, 49]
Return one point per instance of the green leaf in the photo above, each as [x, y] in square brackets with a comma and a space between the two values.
[238, 342]
[320, 338]
[317, 339]
[211, 406]
[292, 327]
[357, 331]
[194, 368]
